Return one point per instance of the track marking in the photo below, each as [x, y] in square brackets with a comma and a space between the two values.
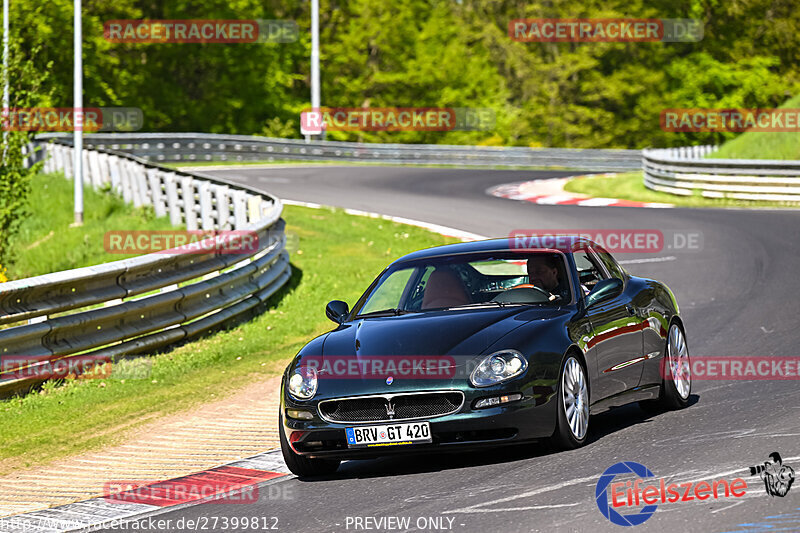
[527, 508]
[534, 492]
[706, 474]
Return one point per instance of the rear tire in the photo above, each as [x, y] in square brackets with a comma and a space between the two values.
[572, 420]
[304, 466]
[675, 391]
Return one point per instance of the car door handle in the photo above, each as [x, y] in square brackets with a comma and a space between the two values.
[631, 310]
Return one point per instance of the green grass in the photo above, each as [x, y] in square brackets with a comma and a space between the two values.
[630, 186]
[46, 242]
[337, 256]
[763, 145]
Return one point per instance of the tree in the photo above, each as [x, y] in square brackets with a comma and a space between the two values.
[25, 86]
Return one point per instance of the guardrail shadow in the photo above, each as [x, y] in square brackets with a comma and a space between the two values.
[287, 288]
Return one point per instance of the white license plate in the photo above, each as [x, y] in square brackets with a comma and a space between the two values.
[389, 434]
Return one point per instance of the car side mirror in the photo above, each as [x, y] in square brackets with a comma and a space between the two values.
[337, 310]
[604, 290]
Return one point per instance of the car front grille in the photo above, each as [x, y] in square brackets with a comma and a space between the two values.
[391, 407]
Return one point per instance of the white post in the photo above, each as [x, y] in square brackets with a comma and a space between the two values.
[77, 175]
[6, 100]
[5, 56]
[314, 56]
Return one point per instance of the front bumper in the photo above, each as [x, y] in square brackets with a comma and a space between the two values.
[531, 418]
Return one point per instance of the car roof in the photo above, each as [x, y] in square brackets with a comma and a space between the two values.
[489, 245]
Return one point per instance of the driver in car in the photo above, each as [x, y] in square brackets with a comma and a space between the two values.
[543, 273]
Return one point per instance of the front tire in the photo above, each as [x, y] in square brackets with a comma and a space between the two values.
[676, 383]
[572, 422]
[677, 371]
[304, 466]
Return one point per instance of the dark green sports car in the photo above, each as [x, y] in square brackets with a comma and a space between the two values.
[482, 344]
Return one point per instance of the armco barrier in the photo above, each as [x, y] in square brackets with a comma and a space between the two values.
[176, 147]
[137, 305]
[683, 171]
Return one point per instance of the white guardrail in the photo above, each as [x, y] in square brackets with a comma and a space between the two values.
[176, 147]
[683, 171]
[136, 306]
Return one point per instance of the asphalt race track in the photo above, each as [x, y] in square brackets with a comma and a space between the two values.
[738, 297]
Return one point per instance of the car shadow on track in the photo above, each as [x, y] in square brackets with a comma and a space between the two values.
[624, 417]
[603, 424]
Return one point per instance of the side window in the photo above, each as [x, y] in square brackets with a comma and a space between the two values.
[387, 295]
[414, 302]
[611, 265]
[589, 271]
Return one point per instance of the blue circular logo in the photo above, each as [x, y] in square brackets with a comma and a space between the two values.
[603, 503]
[389, 380]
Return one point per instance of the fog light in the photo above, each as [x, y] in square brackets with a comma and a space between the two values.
[487, 402]
[298, 414]
[497, 400]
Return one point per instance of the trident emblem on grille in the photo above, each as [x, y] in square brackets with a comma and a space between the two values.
[389, 408]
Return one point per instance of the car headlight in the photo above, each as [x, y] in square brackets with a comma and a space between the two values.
[498, 367]
[302, 383]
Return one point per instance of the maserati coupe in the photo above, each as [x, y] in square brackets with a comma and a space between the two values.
[482, 344]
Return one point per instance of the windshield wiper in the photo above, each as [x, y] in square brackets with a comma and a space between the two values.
[386, 312]
[485, 304]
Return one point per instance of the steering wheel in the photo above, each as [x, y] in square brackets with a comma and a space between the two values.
[531, 286]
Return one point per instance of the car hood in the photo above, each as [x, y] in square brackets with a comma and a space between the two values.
[455, 339]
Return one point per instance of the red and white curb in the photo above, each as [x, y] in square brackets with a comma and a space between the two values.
[551, 192]
[93, 514]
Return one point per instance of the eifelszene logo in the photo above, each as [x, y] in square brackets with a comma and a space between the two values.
[613, 496]
[607, 508]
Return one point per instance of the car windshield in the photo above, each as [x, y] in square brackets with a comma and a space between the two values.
[469, 281]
